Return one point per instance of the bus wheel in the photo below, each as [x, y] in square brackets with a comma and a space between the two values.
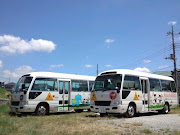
[78, 110]
[103, 114]
[41, 110]
[130, 111]
[165, 110]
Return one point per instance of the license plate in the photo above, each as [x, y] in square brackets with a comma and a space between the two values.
[102, 110]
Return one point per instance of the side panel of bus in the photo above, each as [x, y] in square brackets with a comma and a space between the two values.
[44, 90]
[132, 93]
[158, 99]
[80, 100]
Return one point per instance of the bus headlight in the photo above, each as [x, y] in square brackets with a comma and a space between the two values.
[115, 102]
[23, 103]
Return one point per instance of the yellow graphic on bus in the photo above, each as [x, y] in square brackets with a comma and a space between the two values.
[136, 96]
[49, 97]
[93, 96]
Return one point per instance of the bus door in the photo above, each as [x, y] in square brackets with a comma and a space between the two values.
[64, 95]
[145, 95]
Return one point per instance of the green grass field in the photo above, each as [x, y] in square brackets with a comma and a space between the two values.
[69, 123]
[4, 93]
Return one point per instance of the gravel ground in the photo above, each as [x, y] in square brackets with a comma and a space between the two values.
[169, 122]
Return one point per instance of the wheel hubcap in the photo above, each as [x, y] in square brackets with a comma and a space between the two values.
[131, 110]
[41, 110]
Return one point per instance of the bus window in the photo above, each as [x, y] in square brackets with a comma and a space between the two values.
[91, 83]
[45, 84]
[166, 85]
[173, 89]
[78, 85]
[23, 80]
[66, 85]
[154, 85]
[60, 87]
[131, 83]
[108, 82]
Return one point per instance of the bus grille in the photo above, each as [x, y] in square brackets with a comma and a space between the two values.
[102, 103]
[15, 103]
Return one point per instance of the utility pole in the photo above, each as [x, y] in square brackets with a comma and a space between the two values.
[97, 70]
[173, 57]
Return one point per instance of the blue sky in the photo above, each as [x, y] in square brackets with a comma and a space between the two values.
[71, 36]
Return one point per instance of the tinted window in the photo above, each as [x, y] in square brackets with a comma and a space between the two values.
[108, 82]
[173, 88]
[45, 84]
[91, 83]
[154, 85]
[66, 87]
[60, 87]
[166, 85]
[79, 85]
[23, 80]
[131, 83]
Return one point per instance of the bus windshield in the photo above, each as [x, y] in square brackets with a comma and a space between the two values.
[23, 80]
[108, 82]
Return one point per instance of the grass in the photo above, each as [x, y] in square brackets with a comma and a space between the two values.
[71, 123]
[68, 123]
[175, 110]
[4, 93]
[146, 131]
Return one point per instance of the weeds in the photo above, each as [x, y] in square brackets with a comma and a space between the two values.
[69, 123]
[4, 93]
[146, 131]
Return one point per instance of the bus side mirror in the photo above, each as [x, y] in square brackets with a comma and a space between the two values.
[23, 88]
[117, 89]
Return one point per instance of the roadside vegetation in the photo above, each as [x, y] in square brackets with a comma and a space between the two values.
[4, 93]
[175, 110]
[66, 123]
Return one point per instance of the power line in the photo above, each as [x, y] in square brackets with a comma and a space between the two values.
[152, 56]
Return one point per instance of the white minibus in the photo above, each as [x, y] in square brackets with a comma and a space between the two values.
[128, 92]
[44, 92]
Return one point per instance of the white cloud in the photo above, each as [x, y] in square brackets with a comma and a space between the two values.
[163, 66]
[1, 64]
[59, 65]
[109, 40]
[18, 72]
[142, 69]
[146, 61]
[108, 65]
[12, 44]
[172, 23]
[88, 66]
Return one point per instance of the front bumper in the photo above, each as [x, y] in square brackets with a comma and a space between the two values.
[108, 109]
[17, 109]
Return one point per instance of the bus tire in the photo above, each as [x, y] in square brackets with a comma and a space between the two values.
[165, 110]
[103, 114]
[42, 110]
[130, 111]
[78, 110]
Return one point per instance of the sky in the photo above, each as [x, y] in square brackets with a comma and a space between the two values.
[73, 36]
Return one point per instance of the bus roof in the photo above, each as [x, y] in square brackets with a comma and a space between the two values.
[136, 73]
[61, 75]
